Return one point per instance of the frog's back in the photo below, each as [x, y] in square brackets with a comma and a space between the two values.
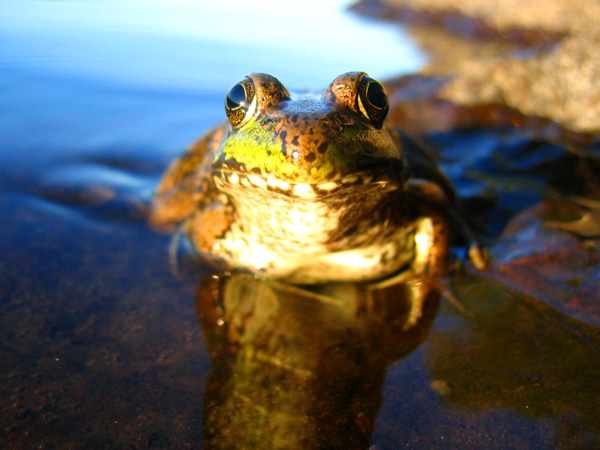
[186, 183]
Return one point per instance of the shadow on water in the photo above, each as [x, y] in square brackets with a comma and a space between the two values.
[509, 351]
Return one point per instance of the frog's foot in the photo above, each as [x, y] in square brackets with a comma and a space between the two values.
[179, 248]
[477, 254]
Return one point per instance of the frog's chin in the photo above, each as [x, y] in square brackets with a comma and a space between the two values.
[233, 180]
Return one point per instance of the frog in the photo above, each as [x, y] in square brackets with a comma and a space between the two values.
[310, 188]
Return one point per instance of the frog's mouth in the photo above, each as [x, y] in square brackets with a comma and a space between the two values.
[378, 178]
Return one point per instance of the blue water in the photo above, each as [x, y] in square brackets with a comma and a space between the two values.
[200, 44]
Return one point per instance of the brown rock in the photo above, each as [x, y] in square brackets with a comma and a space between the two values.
[537, 59]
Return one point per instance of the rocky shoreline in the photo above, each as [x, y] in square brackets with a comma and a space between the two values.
[533, 64]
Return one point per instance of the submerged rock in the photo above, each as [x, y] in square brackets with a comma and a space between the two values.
[561, 268]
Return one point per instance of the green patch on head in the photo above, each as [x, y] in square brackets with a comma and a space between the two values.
[261, 150]
[256, 148]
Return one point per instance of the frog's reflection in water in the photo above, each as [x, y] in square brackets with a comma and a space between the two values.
[293, 368]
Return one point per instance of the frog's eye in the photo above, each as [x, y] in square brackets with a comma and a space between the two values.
[373, 101]
[240, 102]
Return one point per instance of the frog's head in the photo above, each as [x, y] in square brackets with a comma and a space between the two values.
[306, 145]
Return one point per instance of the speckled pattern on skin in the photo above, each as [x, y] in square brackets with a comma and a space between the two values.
[310, 188]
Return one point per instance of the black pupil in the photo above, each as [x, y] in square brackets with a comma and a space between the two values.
[236, 96]
[376, 95]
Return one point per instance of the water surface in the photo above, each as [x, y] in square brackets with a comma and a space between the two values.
[103, 346]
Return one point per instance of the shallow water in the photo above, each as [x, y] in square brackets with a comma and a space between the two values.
[102, 346]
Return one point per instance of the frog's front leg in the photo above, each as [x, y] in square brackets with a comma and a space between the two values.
[207, 226]
[431, 243]
[432, 229]
[202, 232]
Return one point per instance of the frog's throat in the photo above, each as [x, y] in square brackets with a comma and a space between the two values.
[225, 180]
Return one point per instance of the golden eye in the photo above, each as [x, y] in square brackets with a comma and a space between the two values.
[373, 101]
[240, 102]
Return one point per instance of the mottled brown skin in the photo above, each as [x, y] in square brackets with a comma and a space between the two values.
[187, 195]
[365, 190]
